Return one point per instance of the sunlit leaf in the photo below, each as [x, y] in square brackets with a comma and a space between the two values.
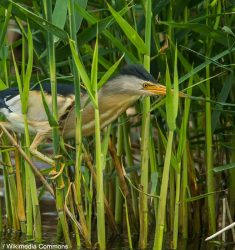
[50, 116]
[2, 85]
[59, 15]
[224, 167]
[203, 30]
[94, 68]
[82, 72]
[109, 73]
[25, 14]
[29, 68]
[131, 33]
[4, 24]
[228, 30]
[199, 197]
[170, 110]
[203, 65]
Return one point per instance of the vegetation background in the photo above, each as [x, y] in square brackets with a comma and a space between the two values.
[178, 154]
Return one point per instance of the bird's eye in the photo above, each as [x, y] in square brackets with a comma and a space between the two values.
[145, 85]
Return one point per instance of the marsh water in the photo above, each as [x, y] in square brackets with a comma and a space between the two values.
[17, 240]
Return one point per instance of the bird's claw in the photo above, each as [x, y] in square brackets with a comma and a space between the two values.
[53, 172]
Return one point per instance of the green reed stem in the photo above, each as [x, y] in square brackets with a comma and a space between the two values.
[181, 152]
[184, 194]
[209, 145]
[78, 138]
[143, 239]
[29, 206]
[172, 194]
[89, 210]
[32, 205]
[98, 154]
[209, 158]
[153, 166]
[60, 193]
[6, 192]
[9, 178]
[100, 192]
[21, 200]
[32, 181]
[26, 141]
[171, 112]
[72, 202]
[118, 196]
[232, 176]
[209, 140]
[176, 207]
[128, 223]
[160, 224]
[184, 184]
[129, 159]
[33, 198]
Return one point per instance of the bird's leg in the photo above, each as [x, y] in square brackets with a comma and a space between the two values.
[6, 125]
[39, 138]
[25, 156]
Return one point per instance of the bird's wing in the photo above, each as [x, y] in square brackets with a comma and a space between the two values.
[10, 102]
[36, 110]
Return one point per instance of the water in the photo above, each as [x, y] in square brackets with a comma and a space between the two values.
[17, 240]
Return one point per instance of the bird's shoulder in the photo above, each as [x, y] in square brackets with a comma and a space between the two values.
[10, 97]
[6, 95]
[63, 89]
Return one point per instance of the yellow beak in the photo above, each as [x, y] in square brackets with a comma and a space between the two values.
[159, 89]
[156, 89]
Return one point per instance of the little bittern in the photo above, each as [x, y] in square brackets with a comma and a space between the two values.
[118, 94]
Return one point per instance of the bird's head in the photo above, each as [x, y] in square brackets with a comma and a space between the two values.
[134, 80]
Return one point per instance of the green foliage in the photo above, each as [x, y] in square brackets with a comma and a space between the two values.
[131, 34]
[191, 43]
[51, 119]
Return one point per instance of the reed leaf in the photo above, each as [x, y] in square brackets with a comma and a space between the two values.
[24, 14]
[132, 35]
[51, 119]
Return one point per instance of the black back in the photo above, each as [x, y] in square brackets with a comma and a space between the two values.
[62, 89]
[67, 89]
[6, 95]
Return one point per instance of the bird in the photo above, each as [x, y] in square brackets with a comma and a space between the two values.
[114, 98]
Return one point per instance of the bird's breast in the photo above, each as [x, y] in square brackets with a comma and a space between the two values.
[110, 108]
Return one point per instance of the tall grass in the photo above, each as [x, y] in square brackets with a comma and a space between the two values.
[60, 185]
[161, 172]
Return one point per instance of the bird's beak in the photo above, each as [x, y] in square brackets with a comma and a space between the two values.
[158, 89]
